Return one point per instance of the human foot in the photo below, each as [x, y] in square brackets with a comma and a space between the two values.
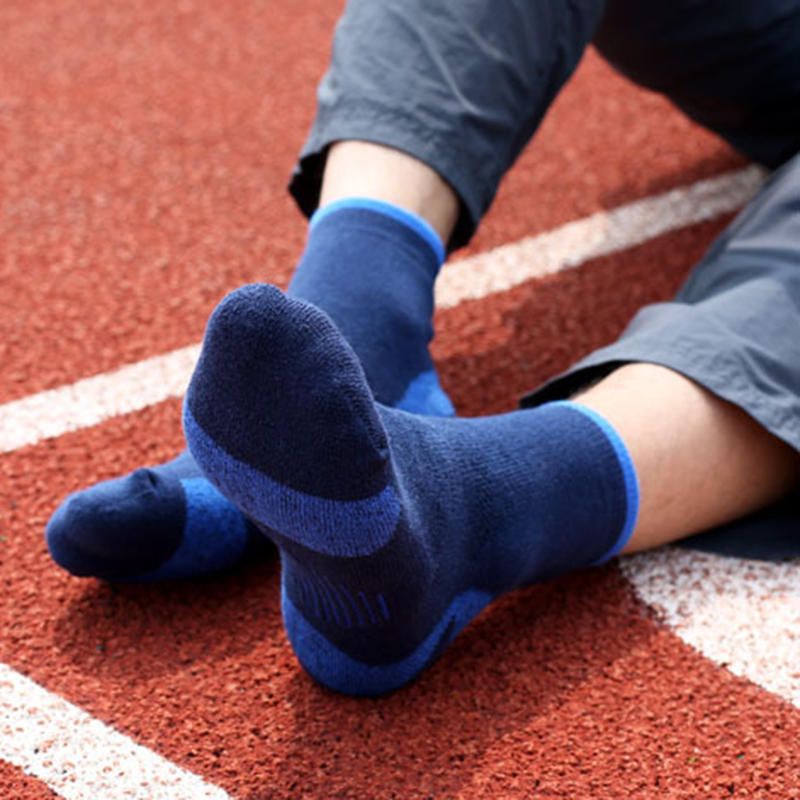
[395, 530]
[372, 266]
[158, 523]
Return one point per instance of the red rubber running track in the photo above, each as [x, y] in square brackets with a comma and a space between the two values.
[146, 146]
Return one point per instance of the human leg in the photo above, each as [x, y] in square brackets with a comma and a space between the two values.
[706, 389]
[701, 460]
[395, 529]
[700, 413]
[356, 169]
[460, 87]
[446, 131]
[732, 67]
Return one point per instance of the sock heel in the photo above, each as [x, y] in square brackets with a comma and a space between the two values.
[279, 415]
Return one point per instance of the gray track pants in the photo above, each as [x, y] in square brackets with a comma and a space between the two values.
[463, 85]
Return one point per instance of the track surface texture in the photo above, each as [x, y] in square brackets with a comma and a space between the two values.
[146, 146]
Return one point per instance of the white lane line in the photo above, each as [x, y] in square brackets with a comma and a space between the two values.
[90, 401]
[81, 758]
[743, 615]
[595, 236]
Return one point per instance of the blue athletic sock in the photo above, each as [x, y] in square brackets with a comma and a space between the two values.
[371, 266]
[154, 524]
[394, 529]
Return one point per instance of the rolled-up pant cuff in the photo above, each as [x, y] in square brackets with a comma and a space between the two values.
[695, 348]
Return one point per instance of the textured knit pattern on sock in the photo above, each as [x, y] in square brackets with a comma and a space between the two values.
[394, 529]
[373, 266]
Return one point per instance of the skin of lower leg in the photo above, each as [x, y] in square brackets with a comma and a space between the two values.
[364, 169]
[700, 461]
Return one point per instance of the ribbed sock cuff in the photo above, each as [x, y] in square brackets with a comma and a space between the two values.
[413, 221]
[631, 482]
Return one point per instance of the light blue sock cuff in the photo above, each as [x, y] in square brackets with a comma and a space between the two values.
[416, 223]
[628, 475]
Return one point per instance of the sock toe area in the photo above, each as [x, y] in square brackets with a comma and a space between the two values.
[147, 527]
[119, 527]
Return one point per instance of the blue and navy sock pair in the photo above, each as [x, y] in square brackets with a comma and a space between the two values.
[372, 266]
[395, 529]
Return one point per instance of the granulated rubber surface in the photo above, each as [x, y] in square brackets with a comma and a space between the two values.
[145, 151]
[14, 783]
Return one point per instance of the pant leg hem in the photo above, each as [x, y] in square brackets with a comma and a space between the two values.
[721, 373]
[366, 122]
